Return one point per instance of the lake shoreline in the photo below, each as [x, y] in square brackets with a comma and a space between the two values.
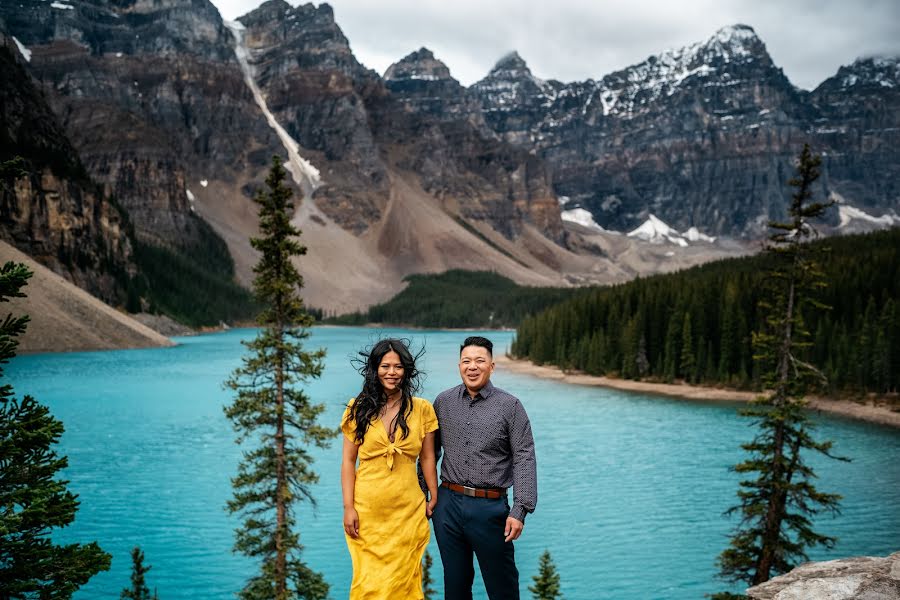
[869, 411]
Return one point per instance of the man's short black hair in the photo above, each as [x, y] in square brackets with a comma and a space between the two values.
[477, 340]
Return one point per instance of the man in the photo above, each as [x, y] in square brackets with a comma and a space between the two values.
[488, 447]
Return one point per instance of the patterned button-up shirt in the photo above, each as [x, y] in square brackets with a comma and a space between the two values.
[487, 443]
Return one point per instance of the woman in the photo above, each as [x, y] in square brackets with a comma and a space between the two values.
[385, 512]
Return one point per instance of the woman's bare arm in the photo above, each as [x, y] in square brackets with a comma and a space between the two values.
[428, 463]
[348, 485]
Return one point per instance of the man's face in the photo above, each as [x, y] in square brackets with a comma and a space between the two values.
[475, 366]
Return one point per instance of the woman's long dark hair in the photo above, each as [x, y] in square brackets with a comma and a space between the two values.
[371, 400]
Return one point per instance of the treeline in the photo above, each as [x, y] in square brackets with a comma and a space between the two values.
[696, 325]
[459, 299]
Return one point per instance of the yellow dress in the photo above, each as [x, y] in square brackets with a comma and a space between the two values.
[393, 528]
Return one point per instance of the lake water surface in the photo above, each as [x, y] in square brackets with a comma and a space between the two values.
[631, 487]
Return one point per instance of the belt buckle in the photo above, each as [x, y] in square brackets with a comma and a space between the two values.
[468, 491]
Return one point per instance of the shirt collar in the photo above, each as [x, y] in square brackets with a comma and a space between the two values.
[483, 394]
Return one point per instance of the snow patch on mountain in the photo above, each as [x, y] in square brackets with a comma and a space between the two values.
[655, 231]
[303, 172]
[25, 52]
[848, 214]
[581, 217]
[693, 234]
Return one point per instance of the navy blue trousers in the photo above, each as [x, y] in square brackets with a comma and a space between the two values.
[464, 525]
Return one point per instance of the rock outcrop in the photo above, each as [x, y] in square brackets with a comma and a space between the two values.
[859, 578]
[49, 207]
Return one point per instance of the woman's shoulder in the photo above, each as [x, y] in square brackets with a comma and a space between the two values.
[420, 401]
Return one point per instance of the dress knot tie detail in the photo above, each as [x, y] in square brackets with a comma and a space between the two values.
[389, 455]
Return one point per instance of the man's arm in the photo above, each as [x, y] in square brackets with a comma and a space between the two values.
[521, 444]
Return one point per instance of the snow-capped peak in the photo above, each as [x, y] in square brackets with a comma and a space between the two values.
[510, 83]
[883, 71]
[623, 92]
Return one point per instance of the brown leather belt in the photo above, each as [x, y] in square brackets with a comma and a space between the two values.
[491, 493]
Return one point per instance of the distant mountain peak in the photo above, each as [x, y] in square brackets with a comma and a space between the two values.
[737, 32]
[878, 71]
[420, 64]
[511, 62]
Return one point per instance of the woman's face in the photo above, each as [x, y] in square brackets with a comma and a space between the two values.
[390, 372]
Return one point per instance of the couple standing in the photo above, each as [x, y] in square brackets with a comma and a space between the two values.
[487, 444]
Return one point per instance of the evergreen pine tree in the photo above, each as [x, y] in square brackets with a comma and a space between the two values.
[546, 582]
[688, 361]
[269, 411]
[673, 343]
[138, 589]
[32, 502]
[428, 592]
[777, 498]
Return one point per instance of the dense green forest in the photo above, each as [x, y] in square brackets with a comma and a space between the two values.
[193, 291]
[459, 299]
[696, 325]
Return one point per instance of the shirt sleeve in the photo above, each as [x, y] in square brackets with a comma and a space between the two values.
[524, 465]
[348, 426]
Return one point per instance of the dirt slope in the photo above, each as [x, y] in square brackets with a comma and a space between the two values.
[66, 318]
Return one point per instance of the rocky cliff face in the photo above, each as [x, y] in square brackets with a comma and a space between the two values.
[435, 128]
[858, 129]
[701, 136]
[357, 127]
[317, 91]
[152, 99]
[49, 208]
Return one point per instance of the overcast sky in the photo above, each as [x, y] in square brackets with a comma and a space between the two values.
[577, 39]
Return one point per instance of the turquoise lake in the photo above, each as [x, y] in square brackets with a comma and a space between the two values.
[631, 487]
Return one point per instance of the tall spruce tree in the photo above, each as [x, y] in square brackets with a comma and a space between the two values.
[778, 498]
[138, 589]
[32, 501]
[546, 582]
[270, 412]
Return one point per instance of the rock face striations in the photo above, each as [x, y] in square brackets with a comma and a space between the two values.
[152, 99]
[49, 207]
[702, 136]
[435, 128]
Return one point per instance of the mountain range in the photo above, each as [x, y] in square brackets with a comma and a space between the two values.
[168, 117]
